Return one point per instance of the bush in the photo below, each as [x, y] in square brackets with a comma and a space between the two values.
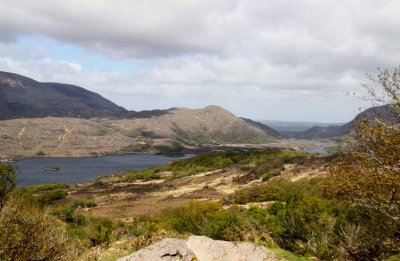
[44, 187]
[40, 153]
[49, 197]
[83, 203]
[7, 183]
[202, 218]
[93, 231]
[28, 234]
[305, 225]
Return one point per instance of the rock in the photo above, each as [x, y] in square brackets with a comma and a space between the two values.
[208, 249]
[201, 248]
[168, 249]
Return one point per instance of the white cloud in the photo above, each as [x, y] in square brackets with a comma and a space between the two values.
[231, 52]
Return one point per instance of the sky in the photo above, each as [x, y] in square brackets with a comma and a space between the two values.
[298, 60]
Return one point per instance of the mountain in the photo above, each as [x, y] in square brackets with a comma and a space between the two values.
[58, 136]
[268, 130]
[22, 97]
[62, 119]
[295, 126]
[384, 113]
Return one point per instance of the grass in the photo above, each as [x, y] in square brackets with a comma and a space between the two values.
[287, 255]
[44, 194]
[44, 187]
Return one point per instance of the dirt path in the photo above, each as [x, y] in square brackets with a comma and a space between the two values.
[20, 133]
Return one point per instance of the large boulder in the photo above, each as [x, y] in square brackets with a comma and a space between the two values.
[201, 248]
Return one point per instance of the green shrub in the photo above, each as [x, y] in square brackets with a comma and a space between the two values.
[40, 153]
[91, 230]
[83, 203]
[270, 174]
[191, 217]
[51, 196]
[44, 187]
[69, 216]
[26, 233]
[7, 183]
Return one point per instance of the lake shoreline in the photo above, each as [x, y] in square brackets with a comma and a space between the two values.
[295, 144]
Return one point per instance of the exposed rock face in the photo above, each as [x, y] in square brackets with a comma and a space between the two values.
[168, 249]
[201, 248]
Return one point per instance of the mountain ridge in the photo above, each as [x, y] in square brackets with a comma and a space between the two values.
[383, 112]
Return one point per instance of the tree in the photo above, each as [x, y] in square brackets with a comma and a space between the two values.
[7, 183]
[368, 172]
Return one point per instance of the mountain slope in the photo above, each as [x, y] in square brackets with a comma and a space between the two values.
[268, 130]
[317, 132]
[22, 97]
[56, 136]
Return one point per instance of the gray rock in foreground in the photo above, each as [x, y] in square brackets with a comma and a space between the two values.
[200, 248]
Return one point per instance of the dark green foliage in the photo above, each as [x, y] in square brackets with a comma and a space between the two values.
[83, 203]
[68, 215]
[49, 197]
[305, 225]
[45, 194]
[44, 187]
[202, 218]
[305, 220]
[92, 230]
[40, 153]
[7, 183]
[368, 233]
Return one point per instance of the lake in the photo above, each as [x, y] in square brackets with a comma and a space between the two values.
[31, 171]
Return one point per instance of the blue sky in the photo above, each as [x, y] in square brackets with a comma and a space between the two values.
[277, 60]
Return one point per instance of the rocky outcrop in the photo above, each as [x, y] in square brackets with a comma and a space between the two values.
[201, 248]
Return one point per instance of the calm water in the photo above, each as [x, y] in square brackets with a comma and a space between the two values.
[319, 150]
[73, 170]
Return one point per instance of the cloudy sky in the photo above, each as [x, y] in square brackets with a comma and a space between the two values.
[262, 59]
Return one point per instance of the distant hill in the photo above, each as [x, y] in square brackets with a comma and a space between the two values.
[317, 132]
[295, 126]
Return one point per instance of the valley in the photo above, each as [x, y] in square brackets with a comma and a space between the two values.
[108, 182]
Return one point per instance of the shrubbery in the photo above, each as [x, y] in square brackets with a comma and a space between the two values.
[262, 163]
[26, 233]
[302, 218]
